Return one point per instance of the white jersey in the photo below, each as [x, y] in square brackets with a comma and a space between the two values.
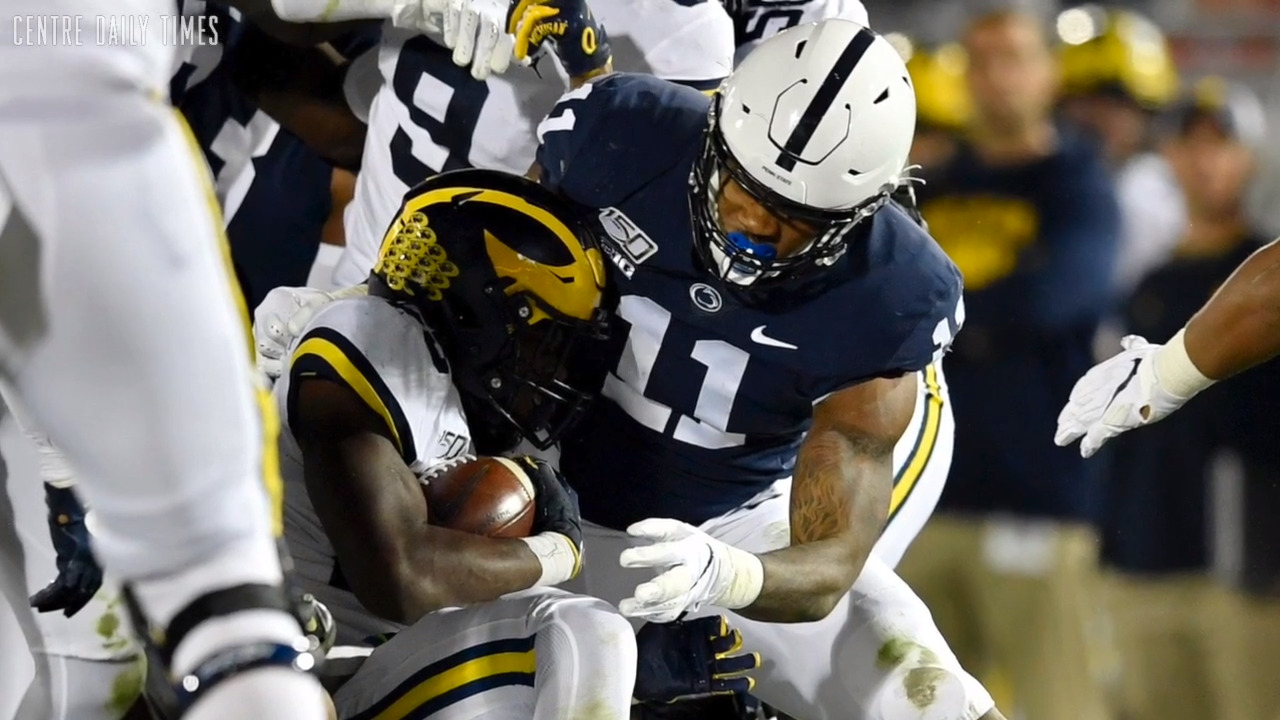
[384, 354]
[431, 116]
[758, 20]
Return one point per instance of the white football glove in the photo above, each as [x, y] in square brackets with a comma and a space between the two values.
[417, 15]
[1140, 386]
[281, 318]
[698, 570]
[476, 31]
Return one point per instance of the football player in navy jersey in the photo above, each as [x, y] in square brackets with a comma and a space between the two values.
[775, 396]
[774, 409]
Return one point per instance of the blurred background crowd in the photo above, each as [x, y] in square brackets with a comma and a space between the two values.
[1095, 171]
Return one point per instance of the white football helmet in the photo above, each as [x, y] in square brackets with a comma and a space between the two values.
[815, 124]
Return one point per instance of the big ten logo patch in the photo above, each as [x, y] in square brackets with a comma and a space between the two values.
[625, 244]
[412, 260]
[984, 235]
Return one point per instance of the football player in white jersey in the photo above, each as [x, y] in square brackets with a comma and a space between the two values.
[107, 231]
[432, 115]
[755, 21]
[511, 286]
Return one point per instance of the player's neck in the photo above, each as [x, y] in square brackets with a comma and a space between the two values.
[1014, 145]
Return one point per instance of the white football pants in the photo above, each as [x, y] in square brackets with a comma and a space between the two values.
[118, 324]
[533, 655]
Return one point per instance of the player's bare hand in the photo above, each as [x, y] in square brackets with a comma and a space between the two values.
[282, 316]
[1115, 396]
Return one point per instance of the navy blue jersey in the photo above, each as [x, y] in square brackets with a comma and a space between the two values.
[274, 191]
[709, 399]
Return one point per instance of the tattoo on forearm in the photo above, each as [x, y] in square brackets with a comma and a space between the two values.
[821, 505]
[828, 473]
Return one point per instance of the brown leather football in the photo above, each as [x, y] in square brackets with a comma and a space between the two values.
[486, 496]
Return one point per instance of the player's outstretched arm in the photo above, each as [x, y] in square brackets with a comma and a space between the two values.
[373, 510]
[301, 88]
[1238, 328]
[839, 500]
[1240, 325]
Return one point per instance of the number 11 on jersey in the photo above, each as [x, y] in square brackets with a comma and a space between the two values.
[725, 367]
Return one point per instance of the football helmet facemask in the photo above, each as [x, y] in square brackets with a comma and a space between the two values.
[510, 281]
[815, 126]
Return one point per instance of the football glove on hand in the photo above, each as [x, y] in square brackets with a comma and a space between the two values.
[698, 570]
[417, 15]
[1118, 395]
[281, 318]
[79, 575]
[476, 31]
[579, 42]
[692, 659]
[557, 523]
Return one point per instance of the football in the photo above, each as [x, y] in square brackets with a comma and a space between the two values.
[487, 496]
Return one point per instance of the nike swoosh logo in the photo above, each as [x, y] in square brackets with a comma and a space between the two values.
[1133, 372]
[758, 336]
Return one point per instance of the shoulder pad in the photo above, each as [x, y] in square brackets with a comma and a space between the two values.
[608, 138]
[385, 356]
[930, 297]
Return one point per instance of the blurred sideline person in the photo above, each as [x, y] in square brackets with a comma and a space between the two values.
[1193, 642]
[184, 482]
[943, 106]
[1117, 76]
[1009, 564]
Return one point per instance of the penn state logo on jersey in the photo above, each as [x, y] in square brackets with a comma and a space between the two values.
[705, 297]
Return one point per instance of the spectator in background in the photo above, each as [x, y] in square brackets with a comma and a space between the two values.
[1009, 563]
[1117, 75]
[943, 106]
[1192, 645]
